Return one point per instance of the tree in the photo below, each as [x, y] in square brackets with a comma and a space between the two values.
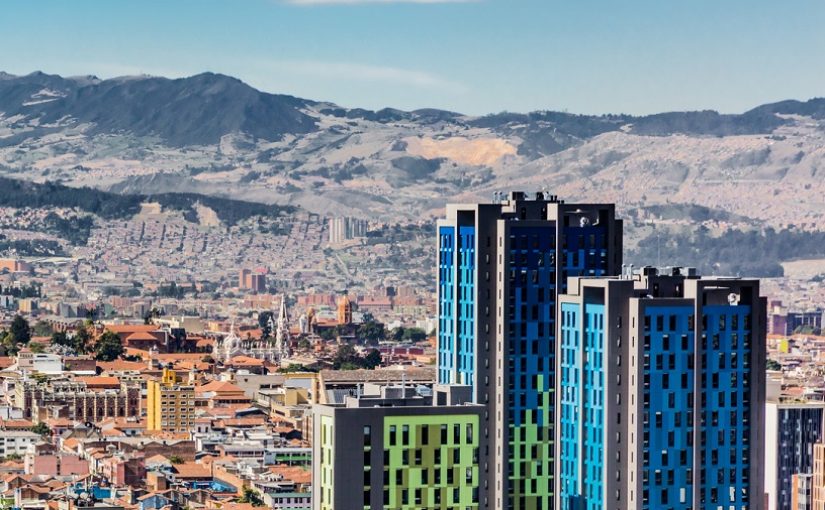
[293, 368]
[251, 496]
[37, 348]
[345, 358]
[372, 332]
[61, 338]
[42, 429]
[20, 330]
[42, 328]
[372, 360]
[175, 459]
[81, 338]
[414, 335]
[263, 323]
[773, 365]
[108, 347]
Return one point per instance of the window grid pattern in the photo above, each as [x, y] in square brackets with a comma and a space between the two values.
[531, 364]
[725, 412]
[593, 407]
[431, 462]
[446, 304]
[466, 305]
[667, 406]
[569, 417]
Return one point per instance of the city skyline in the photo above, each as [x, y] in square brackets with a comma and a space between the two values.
[412, 255]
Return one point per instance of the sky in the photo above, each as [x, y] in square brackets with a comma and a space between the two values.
[469, 56]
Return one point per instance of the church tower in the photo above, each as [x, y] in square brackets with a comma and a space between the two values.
[344, 311]
[282, 331]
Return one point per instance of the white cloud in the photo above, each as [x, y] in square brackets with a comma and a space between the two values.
[354, 2]
[363, 73]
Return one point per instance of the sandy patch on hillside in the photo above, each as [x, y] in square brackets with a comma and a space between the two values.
[480, 151]
[206, 216]
[804, 269]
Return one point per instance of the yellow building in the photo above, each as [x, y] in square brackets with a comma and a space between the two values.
[170, 405]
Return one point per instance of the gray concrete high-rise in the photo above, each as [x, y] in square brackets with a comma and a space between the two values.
[791, 431]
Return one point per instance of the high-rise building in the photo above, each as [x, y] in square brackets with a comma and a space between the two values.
[243, 278]
[500, 268]
[170, 406]
[337, 230]
[661, 381]
[791, 431]
[342, 229]
[395, 449]
[249, 280]
[802, 492]
[818, 481]
[257, 283]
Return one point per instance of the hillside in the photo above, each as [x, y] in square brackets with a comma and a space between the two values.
[214, 135]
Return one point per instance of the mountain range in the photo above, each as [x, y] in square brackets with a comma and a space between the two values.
[215, 135]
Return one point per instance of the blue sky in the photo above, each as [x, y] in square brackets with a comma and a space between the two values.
[482, 56]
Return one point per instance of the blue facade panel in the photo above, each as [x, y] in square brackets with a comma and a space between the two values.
[568, 402]
[530, 322]
[581, 407]
[584, 252]
[466, 305]
[593, 407]
[725, 403]
[668, 378]
[446, 304]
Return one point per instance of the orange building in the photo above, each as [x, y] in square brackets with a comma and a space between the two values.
[818, 481]
[14, 266]
[344, 311]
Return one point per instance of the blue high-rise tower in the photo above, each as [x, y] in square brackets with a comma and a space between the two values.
[500, 268]
[661, 383]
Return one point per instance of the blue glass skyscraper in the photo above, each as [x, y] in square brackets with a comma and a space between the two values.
[661, 393]
[501, 266]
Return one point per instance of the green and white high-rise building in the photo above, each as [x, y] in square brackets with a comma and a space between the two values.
[393, 449]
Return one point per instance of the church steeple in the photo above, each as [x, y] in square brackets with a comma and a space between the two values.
[282, 331]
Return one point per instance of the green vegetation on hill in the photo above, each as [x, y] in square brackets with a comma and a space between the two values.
[20, 194]
[112, 206]
[32, 247]
[750, 253]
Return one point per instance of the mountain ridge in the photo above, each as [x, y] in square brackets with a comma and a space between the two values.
[118, 105]
[218, 136]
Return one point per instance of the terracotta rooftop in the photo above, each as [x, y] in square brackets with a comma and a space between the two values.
[192, 470]
[141, 336]
[219, 387]
[100, 381]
